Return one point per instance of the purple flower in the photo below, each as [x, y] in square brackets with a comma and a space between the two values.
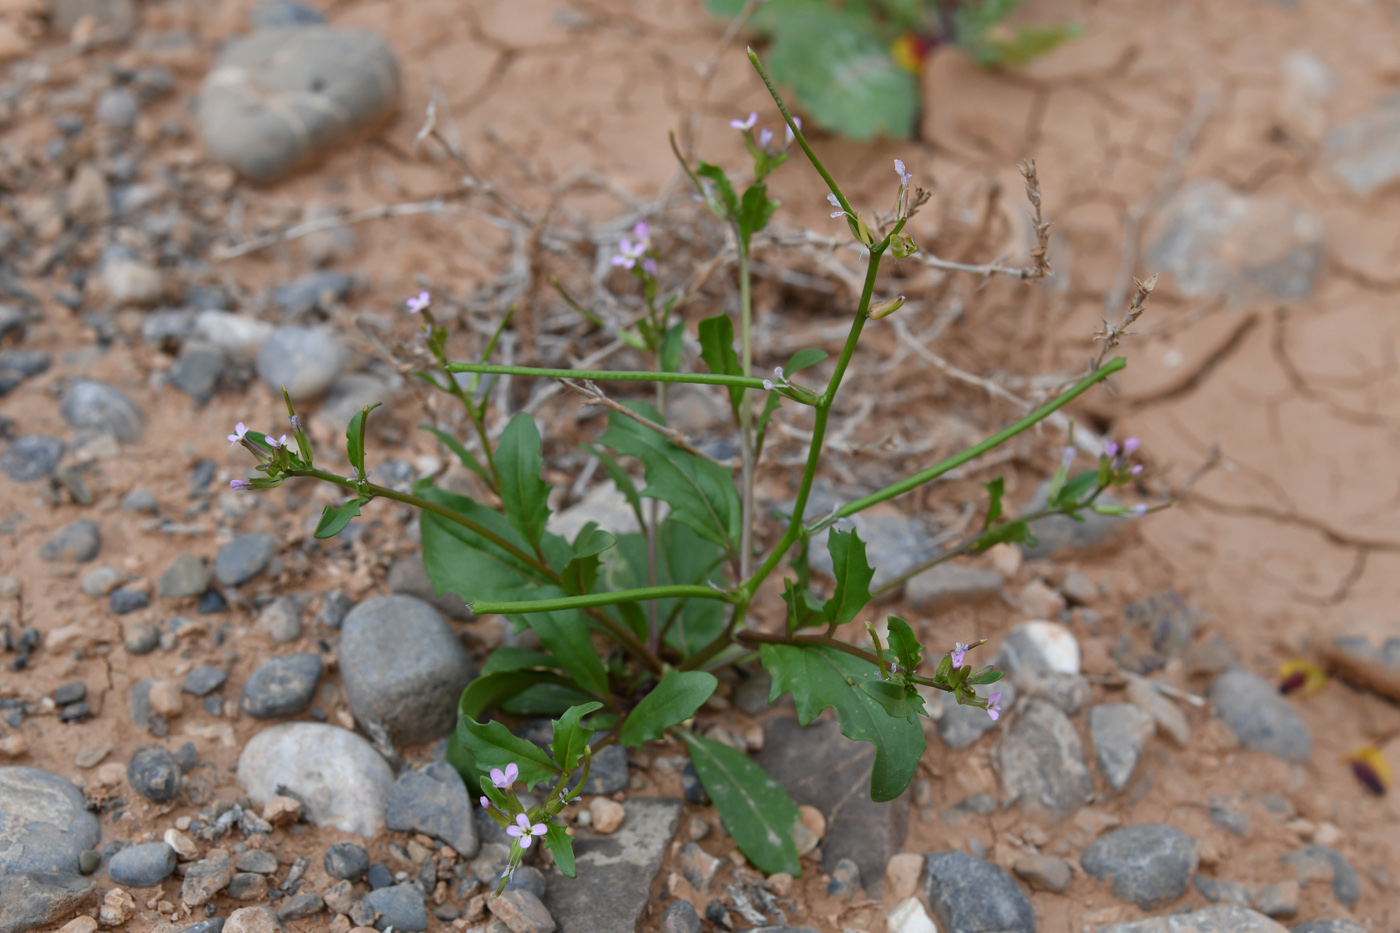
[994, 705]
[778, 371]
[836, 203]
[1067, 456]
[903, 175]
[523, 831]
[296, 422]
[628, 252]
[788, 134]
[1138, 511]
[1131, 445]
[355, 476]
[239, 430]
[1136, 470]
[274, 443]
[486, 803]
[504, 779]
[765, 136]
[768, 384]
[745, 125]
[419, 303]
[1110, 448]
[239, 484]
[649, 266]
[958, 654]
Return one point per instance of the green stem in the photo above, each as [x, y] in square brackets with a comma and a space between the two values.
[598, 375]
[797, 133]
[673, 591]
[977, 450]
[745, 413]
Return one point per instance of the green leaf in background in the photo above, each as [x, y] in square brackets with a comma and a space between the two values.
[355, 439]
[701, 493]
[621, 479]
[565, 634]
[760, 425]
[467, 458]
[490, 690]
[1025, 44]
[839, 64]
[334, 518]
[755, 210]
[802, 359]
[523, 492]
[804, 609]
[682, 557]
[717, 350]
[546, 698]
[723, 201]
[561, 846]
[853, 574]
[461, 759]
[671, 346]
[1076, 489]
[757, 812]
[905, 645]
[674, 700]
[582, 569]
[1014, 532]
[570, 738]
[493, 746]
[819, 677]
[995, 490]
[511, 658]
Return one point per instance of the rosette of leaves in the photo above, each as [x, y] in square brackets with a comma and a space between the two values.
[854, 65]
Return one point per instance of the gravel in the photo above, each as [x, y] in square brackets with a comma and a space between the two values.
[154, 774]
[77, 542]
[144, 865]
[243, 558]
[1149, 864]
[1259, 716]
[967, 893]
[281, 686]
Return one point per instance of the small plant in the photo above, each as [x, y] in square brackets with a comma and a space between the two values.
[633, 625]
[855, 66]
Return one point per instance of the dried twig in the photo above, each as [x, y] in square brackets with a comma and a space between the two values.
[379, 212]
[1040, 256]
[1112, 334]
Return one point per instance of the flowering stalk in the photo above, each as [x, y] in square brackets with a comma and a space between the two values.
[524, 824]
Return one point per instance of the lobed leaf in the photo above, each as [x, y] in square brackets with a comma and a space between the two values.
[671, 702]
[581, 571]
[571, 738]
[853, 574]
[905, 644]
[493, 746]
[758, 813]
[561, 846]
[717, 350]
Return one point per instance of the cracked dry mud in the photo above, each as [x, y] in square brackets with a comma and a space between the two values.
[1285, 540]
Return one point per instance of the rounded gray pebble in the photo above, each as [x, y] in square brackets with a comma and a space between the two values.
[31, 458]
[244, 557]
[141, 638]
[303, 359]
[1259, 717]
[967, 893]
[154, 774]
[142, 866]
[1149, 864]
[346, 861]
[272, 14]
[77, 542]
[681, 917]
[257, 861]
[281, 686]
[401, 906]
[527, 879]
[89, 404]
[203, 680]
[123, 600]
[118, 108]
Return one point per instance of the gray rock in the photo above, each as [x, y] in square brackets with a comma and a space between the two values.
[409, 577]
[1210, 920]
[527, 879]
[122, 601]
[1278, 900]
[339, 777]
[615, 872]
[141, 501]
[24, 362]
[1068, 692]
[347, 395]
[609, 772]
[31, 458]
[204, 680]
[1042, 646]
[960, 726]
[43, 825]
[399, 906]
[206, 878]
[197, 371]
[281, 619]
[98, 406]
[1220, 891]
[141, 638]
[154, 774]
[279, 98]
[315, 291]
[403, 669]
[1318, 862]
[116, 17]
[77, 542]
[1062, 535]
[1170, 621]
[857, 828]
[273, 14]
[1259, 717]
[1216, 241]
[1363, 153]
[522, 912]
[1044, 871]
[334, 606]
[244, 557]
[433, 801]
[247, 886]
[1120, 732]
[1330, 925]
[1149, 864]
[142, 866]
[894, 544]
[128, 281]
[301, 906]
[118, 108]
[72, 692]
[304, 360]
[213, 925]
[238, 336]
[950, 584]
[1233, 820]
[347, 861]
[281, 686]
[257, 861]
[100, 581]
[969, 894]
[845, 880]
[29, 900]
[1042, 762]
[681, 917]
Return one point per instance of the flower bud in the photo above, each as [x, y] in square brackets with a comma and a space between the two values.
[884, 309]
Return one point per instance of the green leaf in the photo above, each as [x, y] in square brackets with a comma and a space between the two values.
[493, 746]
[804, 609]
[543, 699]
[570, 738]
[995, 490]
[561, 846]
[723, 201]
[758, 813]
[755, 210]
[1015, 532]
[519, 463]
[700, 492]
[511, 658]
[1025, 45]
[717, 350]
[335, 517]
[853, 574]
[972, 20]
[840, 66]
[582, 569]
[1077, 489]
[682, 557]
[565, 633]
[898, 700]
[674, 700]
[905, 645]
[671, 347]
[461, 759]
[355, 438]
[984, 676]
[803, 359]
[467, 458]
[820, 677]
[490, 689]
[621, 479]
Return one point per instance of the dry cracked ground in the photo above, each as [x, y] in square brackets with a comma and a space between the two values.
[210, 720]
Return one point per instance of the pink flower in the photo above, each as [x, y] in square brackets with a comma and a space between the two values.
[1131, 445]
[486, 802]
[994, 705]
[765, 136]
[836, 203]
[504, 779]
[239, 484]
[628, 252]
[788, 134]
[903, 175]
[1110, 448]
[419, 303]
[1067, 456]
[523, 831]
[958, 654]
[239, 430]
[1138, 511]
[745, 125]
[275, 443]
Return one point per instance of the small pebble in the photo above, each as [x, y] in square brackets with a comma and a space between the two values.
[346, 860]
[123, 600]
[154, 774]
[142, 866]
